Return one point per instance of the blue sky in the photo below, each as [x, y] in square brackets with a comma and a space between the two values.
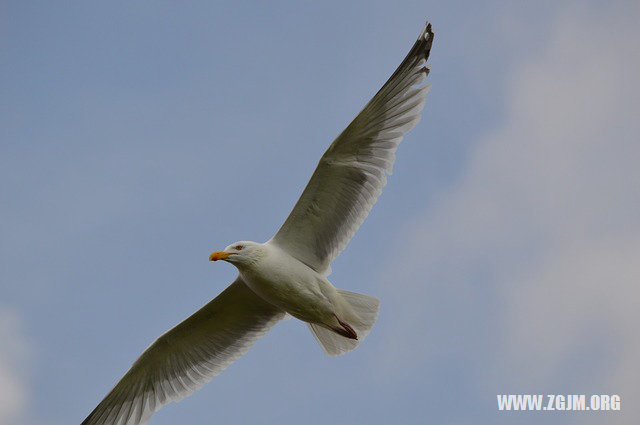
[137, 137]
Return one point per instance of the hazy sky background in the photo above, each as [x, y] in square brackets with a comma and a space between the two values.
[137, 137]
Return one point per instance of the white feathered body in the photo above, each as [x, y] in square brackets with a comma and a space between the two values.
[291, 285]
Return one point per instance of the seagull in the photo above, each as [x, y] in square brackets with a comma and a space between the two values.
[286, 275]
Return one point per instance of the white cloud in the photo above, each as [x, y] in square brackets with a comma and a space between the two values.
[13, 353]
[531, 265]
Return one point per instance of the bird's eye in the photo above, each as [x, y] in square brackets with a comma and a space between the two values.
[239, 247]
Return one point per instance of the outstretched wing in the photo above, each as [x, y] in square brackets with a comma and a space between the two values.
[188, 356]
[353, 171]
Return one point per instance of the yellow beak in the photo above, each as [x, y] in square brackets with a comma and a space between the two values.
[219, 255]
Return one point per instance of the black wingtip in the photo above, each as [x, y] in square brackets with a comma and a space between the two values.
[426, 34]
[422, 47]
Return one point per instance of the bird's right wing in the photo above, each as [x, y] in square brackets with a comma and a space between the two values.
[188, 356]
[353, 171]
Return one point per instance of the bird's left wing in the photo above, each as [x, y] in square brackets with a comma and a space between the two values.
[353, 171]
[188, 356]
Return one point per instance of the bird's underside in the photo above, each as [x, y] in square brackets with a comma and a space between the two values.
[346, 183]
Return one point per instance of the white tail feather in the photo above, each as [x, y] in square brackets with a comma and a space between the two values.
[366, 310]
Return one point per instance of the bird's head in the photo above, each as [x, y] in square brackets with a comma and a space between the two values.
[242, 253]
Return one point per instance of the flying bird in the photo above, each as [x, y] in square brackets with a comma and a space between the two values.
[288, 273]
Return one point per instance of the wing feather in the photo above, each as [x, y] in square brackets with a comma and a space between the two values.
[353, 171]
[188, 356]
